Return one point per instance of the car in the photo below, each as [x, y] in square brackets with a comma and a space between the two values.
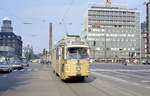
[5, 67]
[25, 63]
[17, 65]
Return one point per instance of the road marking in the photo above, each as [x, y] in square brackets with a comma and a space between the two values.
[36, 70]
[4, 76]
[147, 87]
[119, 79]
[29, 70]
[120, 70]
[110, 77]
[144, 81]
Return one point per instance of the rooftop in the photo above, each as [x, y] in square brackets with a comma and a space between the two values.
[6, 18]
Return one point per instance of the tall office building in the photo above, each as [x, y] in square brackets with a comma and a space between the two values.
[144, 40]
[148, 27]
[112, 32]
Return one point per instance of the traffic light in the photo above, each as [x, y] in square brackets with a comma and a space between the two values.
[94, 43]
[44, 51]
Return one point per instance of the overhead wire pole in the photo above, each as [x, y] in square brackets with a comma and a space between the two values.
[50, 41]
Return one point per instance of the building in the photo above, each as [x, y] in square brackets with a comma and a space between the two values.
[144, 40]
[28, 49]
[148, 27]
[10, 41]
[112, 32]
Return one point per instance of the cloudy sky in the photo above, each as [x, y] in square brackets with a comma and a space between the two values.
[41, 12]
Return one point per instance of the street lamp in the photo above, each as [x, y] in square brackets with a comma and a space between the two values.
[104, 44]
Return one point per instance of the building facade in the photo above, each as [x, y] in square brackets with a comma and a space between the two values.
[148, 27]
[9, 39]
[112, 32]
[144, 40]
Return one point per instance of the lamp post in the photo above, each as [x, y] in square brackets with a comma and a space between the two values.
[104, 45]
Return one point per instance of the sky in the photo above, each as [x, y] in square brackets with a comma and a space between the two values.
[41, 12]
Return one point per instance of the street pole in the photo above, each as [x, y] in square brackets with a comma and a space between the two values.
[105, 46]
[50, 41]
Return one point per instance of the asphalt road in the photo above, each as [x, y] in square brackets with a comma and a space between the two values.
[105, 80]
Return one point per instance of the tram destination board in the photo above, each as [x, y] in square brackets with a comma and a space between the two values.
[78, 43]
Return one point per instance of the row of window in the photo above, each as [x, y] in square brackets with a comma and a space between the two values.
[110, 26]
[116, 49]
[112, 12]
[111, 22]
[6, 44]
[113, 35]
[7, 36]
[112, 17]
[113, 39]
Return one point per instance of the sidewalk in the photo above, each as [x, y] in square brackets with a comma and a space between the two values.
[40, 83]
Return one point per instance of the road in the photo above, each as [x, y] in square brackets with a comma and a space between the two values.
[105, 80]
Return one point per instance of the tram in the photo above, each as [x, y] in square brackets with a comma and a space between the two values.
[70, 58]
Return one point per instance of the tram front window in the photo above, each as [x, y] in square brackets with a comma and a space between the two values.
[77, 53]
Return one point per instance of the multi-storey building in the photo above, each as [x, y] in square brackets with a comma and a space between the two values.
[112, 32]
[144, 40]
[148, 27]
[9, 40]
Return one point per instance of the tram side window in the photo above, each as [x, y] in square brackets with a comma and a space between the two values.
[57, 54]
[63, 53]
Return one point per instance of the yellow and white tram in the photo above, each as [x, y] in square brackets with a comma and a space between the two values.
[70, 59]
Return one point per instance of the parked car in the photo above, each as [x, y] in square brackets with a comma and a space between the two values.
[5, 67]
[25, 64]
[17, 65]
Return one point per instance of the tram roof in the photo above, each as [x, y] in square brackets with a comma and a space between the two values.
[71, 40]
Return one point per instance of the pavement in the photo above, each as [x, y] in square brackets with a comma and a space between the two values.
[105, 80]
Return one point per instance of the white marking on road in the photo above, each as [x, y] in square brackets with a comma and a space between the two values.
[116, 70]
[119, 79]
[135, 83]
[144, 81]
[29, 70]
[110, 77]
[36, 70]
[4, 76]
[147, 87]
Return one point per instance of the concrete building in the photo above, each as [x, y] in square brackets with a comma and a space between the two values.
[144, 40]
[28, 49]
[10, 40]
[148, 27]
[112, 32]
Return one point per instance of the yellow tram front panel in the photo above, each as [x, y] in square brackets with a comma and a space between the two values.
[76, 68]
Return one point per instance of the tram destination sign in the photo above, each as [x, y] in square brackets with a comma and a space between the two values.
[77, 43]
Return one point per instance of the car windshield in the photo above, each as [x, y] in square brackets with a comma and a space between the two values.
[77, 53]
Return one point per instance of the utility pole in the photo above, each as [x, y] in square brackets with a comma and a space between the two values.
[105, 46]
[50, 41]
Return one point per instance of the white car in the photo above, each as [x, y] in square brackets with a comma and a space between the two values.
[17, 65]
[5, 67]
